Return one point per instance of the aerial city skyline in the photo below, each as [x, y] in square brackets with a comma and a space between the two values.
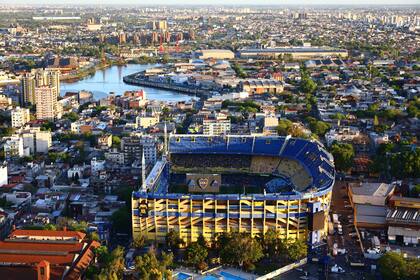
[216, 2]
[222, 140]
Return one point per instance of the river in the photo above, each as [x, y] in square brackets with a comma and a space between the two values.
[111, 80]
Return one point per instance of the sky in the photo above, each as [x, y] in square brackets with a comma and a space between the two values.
[214, 2]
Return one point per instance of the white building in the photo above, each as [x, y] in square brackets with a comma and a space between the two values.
[18, 198]
[43, 141]
[370, 193]
[75, 127]
[342, 134]
[36, 141]
[145, 122]
[13, 147]
[3, 174]
[270, 125]
[216, 126]
[97, 165]
[75, 171]
[114, 157]
[20, 116]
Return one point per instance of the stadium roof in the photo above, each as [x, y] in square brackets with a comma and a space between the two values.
[311, 154]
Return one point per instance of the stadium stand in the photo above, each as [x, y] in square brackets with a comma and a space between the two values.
[267, 182]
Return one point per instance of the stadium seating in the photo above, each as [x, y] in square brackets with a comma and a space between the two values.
[306, 163]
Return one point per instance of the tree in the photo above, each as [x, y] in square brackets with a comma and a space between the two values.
[287, 127]
[149, 267]
[400, 161]
[50, 227]
[103, 256]
[392, 266]
[139, 241]
[72, 116]
[49, 126]
[116, 141]
[201, 240]
[415, 191]
[94, 236]
[173, 240]
[239, 248]
[195, 254]
[375, 121]
[112, 264]
[296, 250]
[117, 262]
[274, 247]
[284, 126]
[307, 85]
[121, 220]
[343, 155]
[318, 127]
[78, 225]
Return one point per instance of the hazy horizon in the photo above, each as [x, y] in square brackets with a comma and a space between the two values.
[214, 3]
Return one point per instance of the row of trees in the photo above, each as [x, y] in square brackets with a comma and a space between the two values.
[150, 267]
[110, 264]
[394, 267]
[245, 106]
[343, 154]
[287, 127]
[399, 160]
[240, 249]
[318, 127]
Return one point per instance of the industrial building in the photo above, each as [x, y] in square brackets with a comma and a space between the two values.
[294, 52]
[261, 86]
[215, 54]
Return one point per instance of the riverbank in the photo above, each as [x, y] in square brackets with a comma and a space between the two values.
[72, 78]
[133, 79]
[110, 79]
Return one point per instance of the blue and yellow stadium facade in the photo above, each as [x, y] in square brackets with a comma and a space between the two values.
[297, 214]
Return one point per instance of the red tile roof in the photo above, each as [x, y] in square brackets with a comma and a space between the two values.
[47, 233]
[83, 262]
[40, 246]
[28, 272]
[19, 257]
[34, 258]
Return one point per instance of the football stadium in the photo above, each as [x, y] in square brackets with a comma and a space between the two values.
[213, 184]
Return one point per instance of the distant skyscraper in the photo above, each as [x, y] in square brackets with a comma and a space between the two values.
[167, 36]
[136, 39]
[160, 24]
[46, 102]
[191, 35]
[122, 38]
[155, 38]
[27, 89]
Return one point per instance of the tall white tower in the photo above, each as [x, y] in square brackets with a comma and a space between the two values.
[165, 143]
[143, 173]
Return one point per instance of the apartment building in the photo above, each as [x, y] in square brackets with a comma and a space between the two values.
[46, 102]
[132, 147]
[216, 126]
[20, 116]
